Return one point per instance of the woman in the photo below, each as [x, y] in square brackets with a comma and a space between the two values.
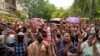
[65, 46]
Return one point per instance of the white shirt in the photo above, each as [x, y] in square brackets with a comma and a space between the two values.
[86, 49]
[1, 39]
[10, 38]
[84, 45]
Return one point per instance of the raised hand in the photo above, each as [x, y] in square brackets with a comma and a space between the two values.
[16, 21]
[30, 21]
[80, 38]
[61, 21]
[53, 27]
[29, 30]
[78, 33]
[94, 41]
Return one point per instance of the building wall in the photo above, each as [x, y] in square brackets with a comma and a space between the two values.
[11, 4]
[2, 4]
[6, 7]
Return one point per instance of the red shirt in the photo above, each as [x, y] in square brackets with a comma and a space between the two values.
[47, 39]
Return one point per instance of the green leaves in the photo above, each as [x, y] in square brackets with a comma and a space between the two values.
[38, 8]
[84, 8]
[60, 13]
[43, 9]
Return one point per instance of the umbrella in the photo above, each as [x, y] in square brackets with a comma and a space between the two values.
[37, 22]
[73, 20]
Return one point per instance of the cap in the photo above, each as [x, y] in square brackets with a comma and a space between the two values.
[20, 33]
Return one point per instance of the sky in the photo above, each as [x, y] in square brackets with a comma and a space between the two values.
[62, 3]
[59, 3]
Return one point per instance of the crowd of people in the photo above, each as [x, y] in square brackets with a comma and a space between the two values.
[21, 38]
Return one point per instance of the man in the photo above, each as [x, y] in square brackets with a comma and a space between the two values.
[46, 38]
[19, 45]
[40, 47]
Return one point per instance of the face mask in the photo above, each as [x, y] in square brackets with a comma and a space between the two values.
[44, 35]
[58, 36]
[99, 37]
[40, 30]
[0, 29]
[0, 32]
[39, 39]
[20, 38]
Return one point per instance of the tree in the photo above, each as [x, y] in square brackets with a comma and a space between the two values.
[48, 10]
[20, 15]
[85, 8]
[60, 13]
[37, 8]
